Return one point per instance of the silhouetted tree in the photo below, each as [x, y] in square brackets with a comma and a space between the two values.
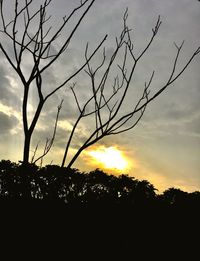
[58, 189]
[175, 197]
[28, 31]
[37, 43]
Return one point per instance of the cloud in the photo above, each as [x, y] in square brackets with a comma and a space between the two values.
[7, 90]
[7, 123]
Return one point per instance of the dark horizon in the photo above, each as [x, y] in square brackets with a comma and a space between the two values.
[94, 214]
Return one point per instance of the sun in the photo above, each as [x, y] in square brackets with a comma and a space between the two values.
[109, 158]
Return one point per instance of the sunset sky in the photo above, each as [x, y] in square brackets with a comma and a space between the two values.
[164, 147]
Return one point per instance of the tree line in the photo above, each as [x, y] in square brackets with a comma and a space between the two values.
[93, 213]
[70, 187]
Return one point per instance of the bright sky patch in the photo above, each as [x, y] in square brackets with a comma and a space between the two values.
[110, 158]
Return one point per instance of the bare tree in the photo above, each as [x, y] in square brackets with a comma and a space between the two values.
[39, 45]
[107, 108]
[49, 142]
[105, 104]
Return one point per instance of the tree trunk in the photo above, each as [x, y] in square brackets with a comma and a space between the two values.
[27, 141]
[28, 132]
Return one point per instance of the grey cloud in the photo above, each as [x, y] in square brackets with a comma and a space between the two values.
[7, 123]
[4, 87]
[193, 126]
[7, 94]
[61, 138]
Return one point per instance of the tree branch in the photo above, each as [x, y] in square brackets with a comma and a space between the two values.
[49, 142]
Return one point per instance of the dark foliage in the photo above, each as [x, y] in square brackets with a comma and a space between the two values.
[71, 187]
[67, 209]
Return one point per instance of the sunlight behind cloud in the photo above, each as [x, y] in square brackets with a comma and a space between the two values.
[109, 158]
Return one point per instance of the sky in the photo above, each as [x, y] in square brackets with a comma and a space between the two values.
[164, 147]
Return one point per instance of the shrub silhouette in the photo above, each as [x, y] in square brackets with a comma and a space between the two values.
[71, 187]
[95, 210]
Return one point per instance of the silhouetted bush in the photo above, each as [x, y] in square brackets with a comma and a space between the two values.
[68, 209]
[71, 188]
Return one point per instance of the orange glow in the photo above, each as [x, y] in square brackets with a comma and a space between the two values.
[109, 158]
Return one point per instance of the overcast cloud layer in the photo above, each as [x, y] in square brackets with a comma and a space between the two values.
[165, 145]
